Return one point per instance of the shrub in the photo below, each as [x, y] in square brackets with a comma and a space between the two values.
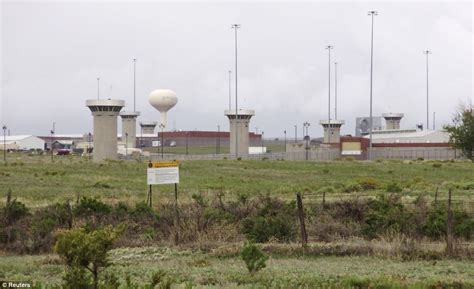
[143, 211]
[435, 226]
[274, 220]
[369, 184]
[89, 206]
[352, 187]
[384, 213]
[83, 250]
[254, 258]
[14, 210]
[393, 187]
[437, 165]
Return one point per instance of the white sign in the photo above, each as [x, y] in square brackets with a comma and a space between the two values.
[160, 173]
[155, 143]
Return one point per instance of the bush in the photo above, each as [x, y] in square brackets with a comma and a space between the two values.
[274, 220]
[88, 206]
[14, 210]
[254, 259]
[437, 165]
[393, 187]
[435, 226]
[352, 187]
[143, 211]
[369, 184]
[385, 213]
[83, 250]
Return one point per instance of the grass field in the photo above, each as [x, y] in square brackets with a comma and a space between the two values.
[214, 263]
[202, 150]
[36, 181]
[185, 268]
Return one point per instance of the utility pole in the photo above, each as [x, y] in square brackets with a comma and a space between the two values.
[98, 87]
[372, 14]
[335, 90]
[427, 52]
[296, 133]
[235, 27]
[329, 48]
[4, 143]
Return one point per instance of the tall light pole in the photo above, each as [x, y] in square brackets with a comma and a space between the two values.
[235, 27]
[335, 90]
[427, 52]
[329, 48]
[126, 145]
[284, 132]
[263, 133]
[98, 87]
[162, 127]
[296, 133]
[134, 82]
[218, 140]
[372, 14]
[306, 137]
[230, 89]
[4, 143]
[52, 134]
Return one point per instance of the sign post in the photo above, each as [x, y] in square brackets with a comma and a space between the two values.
[161, 173]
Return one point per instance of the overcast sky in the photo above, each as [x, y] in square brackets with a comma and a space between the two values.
[52, 53]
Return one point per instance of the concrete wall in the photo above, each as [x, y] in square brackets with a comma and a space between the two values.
[129, 126]
[427, 153]
[105, 135]
[242, 128]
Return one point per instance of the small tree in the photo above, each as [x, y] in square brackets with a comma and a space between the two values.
[84, 250]
[253, 257]
[461, 132]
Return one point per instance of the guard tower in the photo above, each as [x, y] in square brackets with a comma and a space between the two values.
[105, 113]
[332, 130]
[148, 127]
[392, 120]
[129, 128]
[239, 130]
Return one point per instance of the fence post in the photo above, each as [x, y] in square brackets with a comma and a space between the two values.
[324, 199]
[436, 196]
[304, 236]
[449, 229]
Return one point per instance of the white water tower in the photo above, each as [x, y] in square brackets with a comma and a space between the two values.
[163, 100]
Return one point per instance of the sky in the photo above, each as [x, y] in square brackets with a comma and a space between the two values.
[53, 52]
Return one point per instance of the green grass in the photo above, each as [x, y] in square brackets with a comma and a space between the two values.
[37, 182]
[207, 271]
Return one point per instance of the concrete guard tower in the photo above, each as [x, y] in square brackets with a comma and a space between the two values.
[148, 127]
[129, 127]
[105, 113]
[332, 130]
[392, 120]
[241, 127]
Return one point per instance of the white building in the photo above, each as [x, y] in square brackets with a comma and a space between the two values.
[21, 142]
[409, 136]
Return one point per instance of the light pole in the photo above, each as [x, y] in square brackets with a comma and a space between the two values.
[218, 140]
[296, 133]
[235, 27]
[372, 14]
[98, 86]
[284, 132]
[335, 90]
[434, 120]
[126, 145]
[230, 89]
[52, 134]
[427, 52]
[263, 133]
[134, 82]
[4, 143]
[162, 126]
[187, 133]
[306, 137]
[329, 48]
[88, 146]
